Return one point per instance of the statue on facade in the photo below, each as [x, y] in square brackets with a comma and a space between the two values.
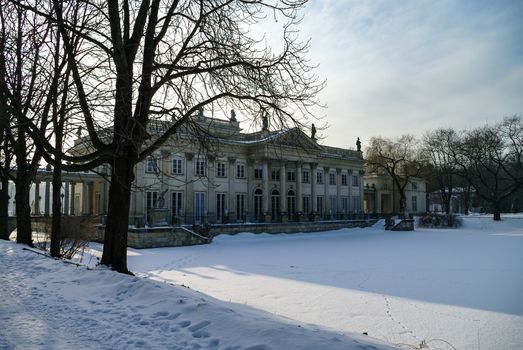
[233, 116]
[358, 145]
[265, 121]
[313, 132]
[200, 112]
[79, 132]
[161, 200]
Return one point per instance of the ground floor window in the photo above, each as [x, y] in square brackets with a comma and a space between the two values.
[333, 206]
[220, 206]
[356, 205]
[306, 201]
[319, 205]
[151, 198]
[176, 204]
[199, 207]
[291, 204]
[344, 204]
[240, 206]
[275, 204]
[258, 205]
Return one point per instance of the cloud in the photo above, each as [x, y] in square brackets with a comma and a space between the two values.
[407, 67]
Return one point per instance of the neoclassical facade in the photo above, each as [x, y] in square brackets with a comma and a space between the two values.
[234, 176]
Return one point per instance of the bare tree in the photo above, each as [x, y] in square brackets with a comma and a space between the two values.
[489, 158]
[23, 78]
[146, 68]
[437, 147]
[399, 158]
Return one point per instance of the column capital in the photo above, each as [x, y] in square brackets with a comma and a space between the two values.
[313, 165]
[189, 156]
[338, 171]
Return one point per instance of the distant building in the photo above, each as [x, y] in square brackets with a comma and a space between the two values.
[382, 196]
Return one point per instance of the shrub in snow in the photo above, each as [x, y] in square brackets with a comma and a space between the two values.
[437, 220]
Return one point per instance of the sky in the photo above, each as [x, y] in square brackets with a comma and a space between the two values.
[396, 67]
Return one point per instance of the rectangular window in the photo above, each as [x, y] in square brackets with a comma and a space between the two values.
[291, 176]
[305, 177]
[414, 186]
[177, 166]
[220, 206]
[240, 171]
[152, 164]
[333, 205]
[356, 204]
[201, 167]
[176, 203]
[275, 174]
[199, 207]
[319, 205]
[345, 204]
[258, 173]
[319, 177]
[220, 170]
[344, 179]
[355, 181]
[332, 178]
[151, 199]
[306, 204]
[414, 203]
[240, 206]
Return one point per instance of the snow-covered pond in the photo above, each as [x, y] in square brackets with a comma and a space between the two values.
[463, 286]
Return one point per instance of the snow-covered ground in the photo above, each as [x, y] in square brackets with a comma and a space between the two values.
[314, 290]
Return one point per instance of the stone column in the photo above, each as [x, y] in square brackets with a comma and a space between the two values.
[283, 192]
[360, 181]
[85, 198]
[66, 199]
[188, 211]
[299, 195]
[231, 205]
[349, 183]
[326, 197]
[266, 194]
[211, 191]
[249, 210]
[338, 193]
[73, 189]
[314, 205]
[47, 198]
[37, 198]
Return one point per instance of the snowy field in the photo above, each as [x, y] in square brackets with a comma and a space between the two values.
[462, 287]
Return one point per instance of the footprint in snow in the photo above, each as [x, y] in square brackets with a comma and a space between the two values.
[160, 314]
[185, 324]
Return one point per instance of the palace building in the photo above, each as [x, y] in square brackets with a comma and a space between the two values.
[238, 177]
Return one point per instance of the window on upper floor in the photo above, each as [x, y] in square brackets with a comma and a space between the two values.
[258, 173]
[240, 171]
[201, 167]
[355, 180]
[220, 170]
[177, 165]
[344, 179]
[414, 186]
[152, 164]
[305, 178]
[275, 174]
[319, 177]
[332, 178]
[291, 175]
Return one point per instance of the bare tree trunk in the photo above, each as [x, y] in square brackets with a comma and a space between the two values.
[115, 240]
[23, 210]
[56, 229]
[4, 204]
[497, 211]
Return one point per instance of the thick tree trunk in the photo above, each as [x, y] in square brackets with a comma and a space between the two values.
[56, 230]
[115, 240]
[23, 210]
[4, 207]
[497, 211]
